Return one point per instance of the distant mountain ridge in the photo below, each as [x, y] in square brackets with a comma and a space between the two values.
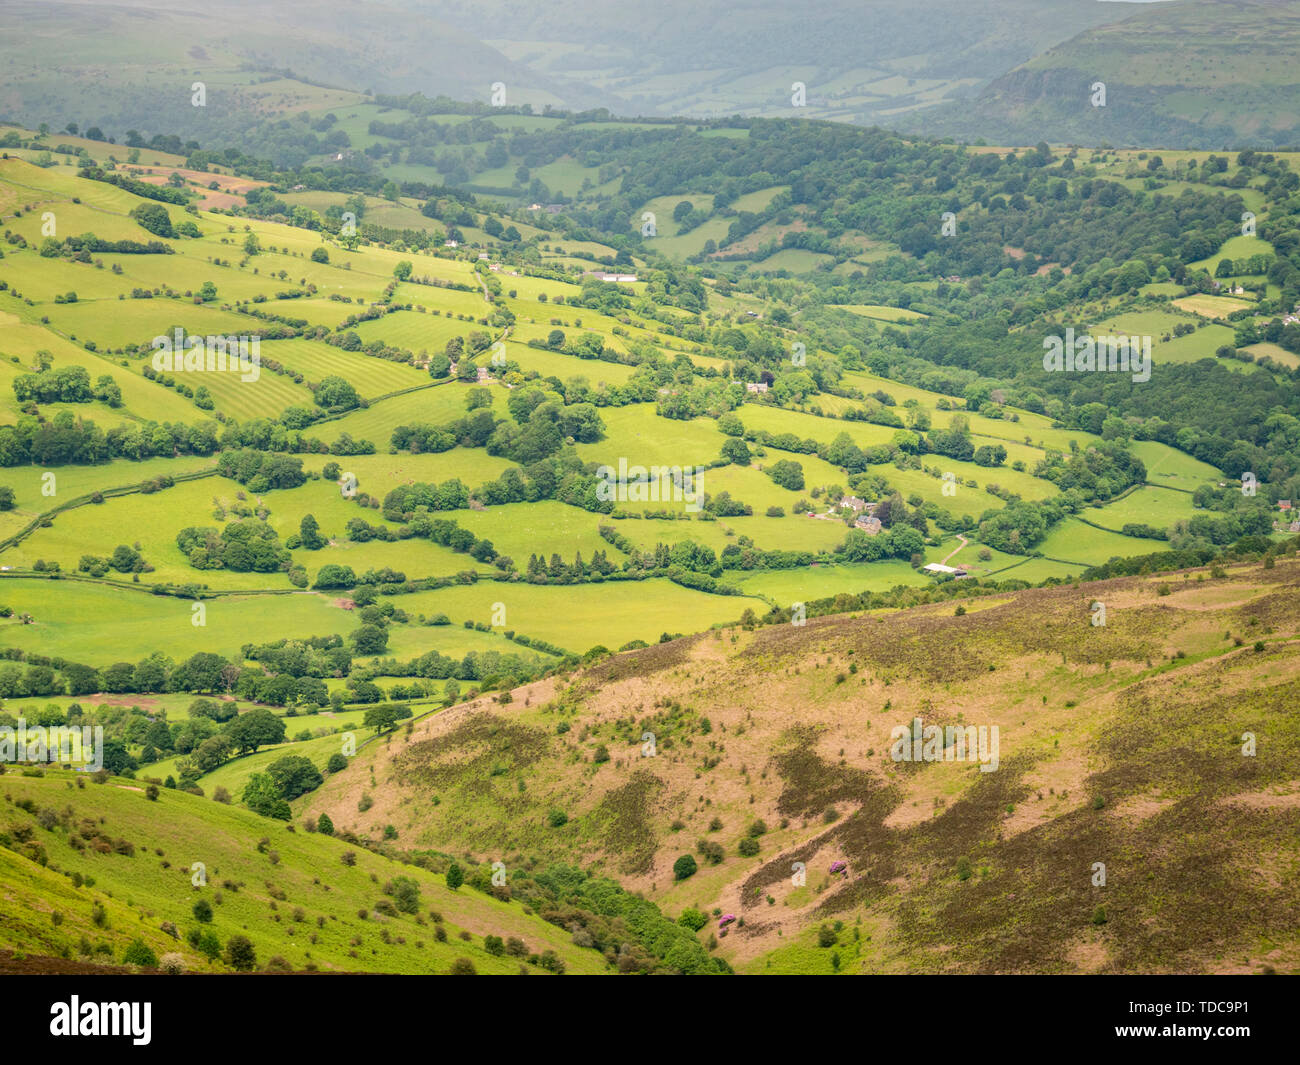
[1192, 74]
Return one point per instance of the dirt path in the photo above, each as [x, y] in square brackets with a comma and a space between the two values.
[964, 543]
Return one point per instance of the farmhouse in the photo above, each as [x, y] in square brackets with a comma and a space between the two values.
[756, 386]
[853, 503]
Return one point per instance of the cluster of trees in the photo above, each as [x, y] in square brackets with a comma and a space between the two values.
[1020, 526]
[786, 473]
[561, 476]
[246, 545]
[143, 189]
[1220, 529]
[902, 541]
[487, 668]
[336, 394]
[404, 500]
[285, 779]
[67, 384]
[1100, 472]
[261, 471]
[124, 559]
[82, 247]
[154, 218]
[318, 656]
[540, 570]
[201, 673]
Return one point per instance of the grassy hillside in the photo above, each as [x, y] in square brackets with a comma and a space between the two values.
[1120, 744]
[88, 869]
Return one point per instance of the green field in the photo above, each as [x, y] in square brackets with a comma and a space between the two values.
[579, 617]
[1073, 541]
[1157, 507]
[99, 624]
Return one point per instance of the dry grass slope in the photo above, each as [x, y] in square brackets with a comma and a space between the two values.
[1119, 744]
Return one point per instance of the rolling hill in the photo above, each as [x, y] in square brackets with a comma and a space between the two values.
[610, 490]
[89, 870]
[1122, 744]
[1189, 74]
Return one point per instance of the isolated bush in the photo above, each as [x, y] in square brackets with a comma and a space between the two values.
[138, 953]
[684, 867]
[711, 851]
[240, 954]
[207, 944]
[172, 964]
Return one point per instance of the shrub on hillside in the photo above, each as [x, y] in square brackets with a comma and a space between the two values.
[240, 954]
[172, 963]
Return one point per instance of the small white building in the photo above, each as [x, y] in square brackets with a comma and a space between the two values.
[758, 387]
[940, 568]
